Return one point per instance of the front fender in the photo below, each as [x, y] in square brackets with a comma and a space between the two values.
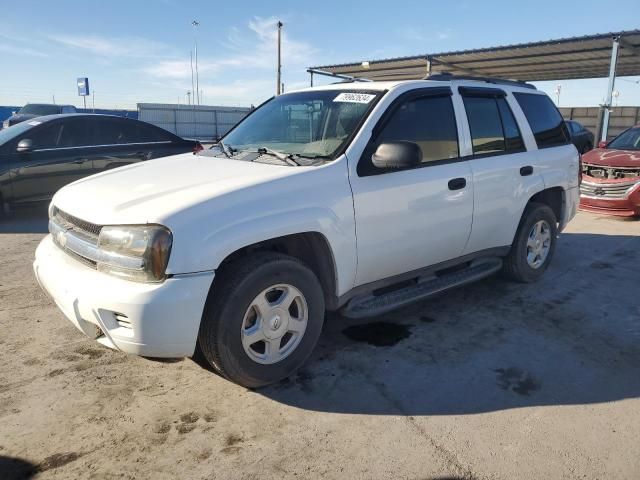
[318, 200]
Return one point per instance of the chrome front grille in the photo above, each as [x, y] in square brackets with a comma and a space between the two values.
[70, 222]
[79, 239]
[605, 190]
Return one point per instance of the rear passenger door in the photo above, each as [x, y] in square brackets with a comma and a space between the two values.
[418, 217]
[124, 141]
[505, 174]
[118, 142]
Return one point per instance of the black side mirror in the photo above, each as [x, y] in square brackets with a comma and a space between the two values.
[397, 155]
[25, 145]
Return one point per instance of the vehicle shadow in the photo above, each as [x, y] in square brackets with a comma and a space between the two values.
[12, 468]
[572, 338]
[32, 220]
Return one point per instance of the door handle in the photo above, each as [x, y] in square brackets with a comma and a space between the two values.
[527, 170]
[79, 160]
[457, 183]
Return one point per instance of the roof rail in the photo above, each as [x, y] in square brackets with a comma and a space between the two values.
[445, 77]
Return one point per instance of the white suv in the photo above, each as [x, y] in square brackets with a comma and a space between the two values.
[361, 197]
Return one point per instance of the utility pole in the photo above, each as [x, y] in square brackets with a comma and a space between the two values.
[196, 24]
[54, 99]
[278, 81]
[192, 81]
[188, 97]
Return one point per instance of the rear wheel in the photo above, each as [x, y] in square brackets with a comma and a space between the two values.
[534, 244]
[262, 319]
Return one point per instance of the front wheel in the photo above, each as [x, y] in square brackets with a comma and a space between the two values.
[534, 244]
[262, 319]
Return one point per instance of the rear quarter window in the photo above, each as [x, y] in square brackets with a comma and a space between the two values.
[547, 125]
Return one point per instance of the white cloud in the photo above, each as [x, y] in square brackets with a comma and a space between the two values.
[112, 47]
[249, 48]
[21, 51]
[415, 35]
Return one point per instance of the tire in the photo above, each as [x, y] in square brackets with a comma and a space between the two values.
[522, 264]
[230, 308]
[586, 148]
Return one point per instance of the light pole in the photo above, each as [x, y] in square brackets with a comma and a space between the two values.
[195, 25]
[278, 81]
[558, 90]
[188, 97]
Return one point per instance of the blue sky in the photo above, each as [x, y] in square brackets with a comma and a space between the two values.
[138, 50]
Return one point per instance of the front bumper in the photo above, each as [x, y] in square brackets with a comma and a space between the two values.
[154, 320]
[627, 205]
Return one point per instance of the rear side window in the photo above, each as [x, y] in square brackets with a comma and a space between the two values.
[112, 131]
[546, 122]
[150, 133]
[428, 121]
[512, 135]
[493, 128]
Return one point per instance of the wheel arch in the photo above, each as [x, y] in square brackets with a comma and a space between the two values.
[311, 248]
[554, 198]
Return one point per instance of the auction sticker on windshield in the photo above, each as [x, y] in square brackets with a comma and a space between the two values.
[354, 97]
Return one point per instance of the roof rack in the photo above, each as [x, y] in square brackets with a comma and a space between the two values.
[445, 77]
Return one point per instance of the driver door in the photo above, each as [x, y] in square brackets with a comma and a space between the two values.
[56, 159]
[418, 217]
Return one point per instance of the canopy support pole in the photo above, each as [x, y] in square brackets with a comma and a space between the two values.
[612, 81]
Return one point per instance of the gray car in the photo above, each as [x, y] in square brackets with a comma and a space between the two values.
[32, 110]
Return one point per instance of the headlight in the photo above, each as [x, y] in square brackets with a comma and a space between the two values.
[138, 253]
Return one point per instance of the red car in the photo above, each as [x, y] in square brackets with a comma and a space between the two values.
[611, 176]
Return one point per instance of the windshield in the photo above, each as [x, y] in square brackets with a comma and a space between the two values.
[311, 124]
[629, 140]
[35, 109]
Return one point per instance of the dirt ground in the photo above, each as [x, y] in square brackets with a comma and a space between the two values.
[492, 381]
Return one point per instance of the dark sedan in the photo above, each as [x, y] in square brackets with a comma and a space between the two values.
[39, 156]
[32, 110]
[580, 136]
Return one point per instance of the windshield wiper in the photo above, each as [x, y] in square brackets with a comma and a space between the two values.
[312, 157]
[285, 157]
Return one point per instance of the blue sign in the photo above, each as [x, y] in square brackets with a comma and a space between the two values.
[83, 86]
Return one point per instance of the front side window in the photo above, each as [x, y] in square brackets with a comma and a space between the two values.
[74, 133]
[429, 122]
[548, 126]
[47, 136]
[315, 123]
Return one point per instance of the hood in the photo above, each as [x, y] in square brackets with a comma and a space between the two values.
[152, 191]
[20, 117]
[612, 157]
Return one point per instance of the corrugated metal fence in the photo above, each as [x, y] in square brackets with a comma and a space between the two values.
[192, 121]
[620, 119]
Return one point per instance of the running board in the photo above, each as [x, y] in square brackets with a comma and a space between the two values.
[370, 305]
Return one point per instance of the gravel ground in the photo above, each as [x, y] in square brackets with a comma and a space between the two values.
[491, 381]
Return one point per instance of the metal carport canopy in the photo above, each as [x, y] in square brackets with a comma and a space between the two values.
[591, 56]
[562, 59]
